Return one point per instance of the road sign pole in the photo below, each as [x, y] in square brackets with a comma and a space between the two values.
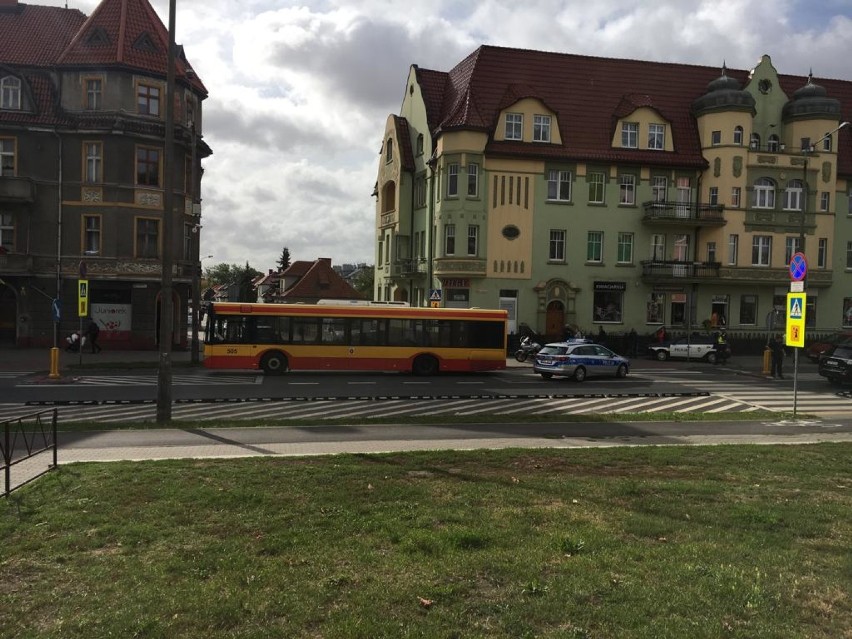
[795, 381]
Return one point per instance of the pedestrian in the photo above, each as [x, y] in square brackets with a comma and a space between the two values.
[92, 332]
[777, 348]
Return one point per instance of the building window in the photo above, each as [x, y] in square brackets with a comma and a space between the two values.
[514, 126]
[629, 135]
[420, 191]
[594, 246]
[822, 253]
[824, 200]
[472, 179]
[748, 310]
[94, 94]
[849, 201]
[7, 156]
[716, 138]
[659, 188]
[608, 301]
[625, 248]
[541, 128]
[738, 135]
[147, 166]
[761, 250]
[450, 239]
[472, 239]
[773, 144]
[418, 147]
[389, 151]
[827, 142]
[94, 162]
[559, 186]
[736, 195]
[147, 237]
[764, 194]
[187, 241]
[793, 196]
[10, 93]
[806, 145]
[658, 247]
[680, 248]
[147, 99]
[848, 255]
[733, 248]
[654, 308]
[711, 252]
[847, 311]
[627, 190]
[452, 180]
[556, 249]
[791, 245]
[714, 195]
[7, 231]
[596, 188]
[657, 137]
[91, 235]
[754, 142]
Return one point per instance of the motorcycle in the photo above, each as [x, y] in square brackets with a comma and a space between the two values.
[528, 348]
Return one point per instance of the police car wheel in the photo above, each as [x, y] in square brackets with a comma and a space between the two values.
[711, 358]
[662, 355]
[546, 375]
[579, 374]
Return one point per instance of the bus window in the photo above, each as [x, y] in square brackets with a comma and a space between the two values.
[305, 330]
[333, 330]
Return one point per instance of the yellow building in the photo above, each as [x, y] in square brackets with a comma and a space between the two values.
[595, 193]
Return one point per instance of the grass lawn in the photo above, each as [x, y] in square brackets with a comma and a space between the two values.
[662, 542]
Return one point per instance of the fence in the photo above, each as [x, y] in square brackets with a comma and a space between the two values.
[27, 442]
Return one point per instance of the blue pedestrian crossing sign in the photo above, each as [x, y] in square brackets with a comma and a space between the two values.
[796, 304]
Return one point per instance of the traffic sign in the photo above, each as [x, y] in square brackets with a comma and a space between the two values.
[82, 298]
[54, 307]
[798, 267]
[796, 304]
[435, 295]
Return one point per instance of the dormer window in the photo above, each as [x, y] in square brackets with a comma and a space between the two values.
[657, 137]
[541, 128]
[514, 126]
[10, 93]
[630, 135]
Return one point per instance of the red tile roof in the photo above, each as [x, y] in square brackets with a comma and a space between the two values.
[317, 280]
[35, 36]
[588, 95]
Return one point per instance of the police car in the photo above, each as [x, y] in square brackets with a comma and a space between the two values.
[579, 359]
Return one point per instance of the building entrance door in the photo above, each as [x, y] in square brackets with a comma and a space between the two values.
[554, 323]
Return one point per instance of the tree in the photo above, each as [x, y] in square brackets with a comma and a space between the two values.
[234, 275]
[284, 261]
[364, 281]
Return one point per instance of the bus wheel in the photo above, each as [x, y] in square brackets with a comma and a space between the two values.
[273, 364]
[424, 365]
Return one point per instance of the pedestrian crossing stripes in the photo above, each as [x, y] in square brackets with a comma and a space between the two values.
[14, 374]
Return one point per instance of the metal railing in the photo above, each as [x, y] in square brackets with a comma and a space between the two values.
[25, 440]
[666, 211]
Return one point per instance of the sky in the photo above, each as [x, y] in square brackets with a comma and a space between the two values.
[299, 92]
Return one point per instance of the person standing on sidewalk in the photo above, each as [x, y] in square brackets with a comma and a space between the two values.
[776, 346]
[92, 332]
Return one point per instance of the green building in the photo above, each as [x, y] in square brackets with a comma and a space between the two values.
[587, 193]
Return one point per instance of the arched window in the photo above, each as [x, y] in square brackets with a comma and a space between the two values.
[10, 93]
[754, 141]
[793, 195]
[764, 194]
[388, 197]
[773, 144]
[389, 150]
[738, 135]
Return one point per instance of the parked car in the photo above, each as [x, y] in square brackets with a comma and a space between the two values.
[694, 347]
[836, 364]
[579, 359]
[816, 349]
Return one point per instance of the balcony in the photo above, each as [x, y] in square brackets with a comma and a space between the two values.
[16, 189]
[683, 214]
[759, 275]
[408, 268]
[459, 267]
[658, 271]
[770, 220]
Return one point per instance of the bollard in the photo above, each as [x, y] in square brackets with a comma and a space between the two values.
[54, 363]
[767, 360]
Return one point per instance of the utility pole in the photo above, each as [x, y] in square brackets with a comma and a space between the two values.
[164, 374]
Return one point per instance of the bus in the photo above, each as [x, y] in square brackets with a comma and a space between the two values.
[277, 338]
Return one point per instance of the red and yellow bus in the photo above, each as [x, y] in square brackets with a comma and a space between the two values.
[281, 337]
